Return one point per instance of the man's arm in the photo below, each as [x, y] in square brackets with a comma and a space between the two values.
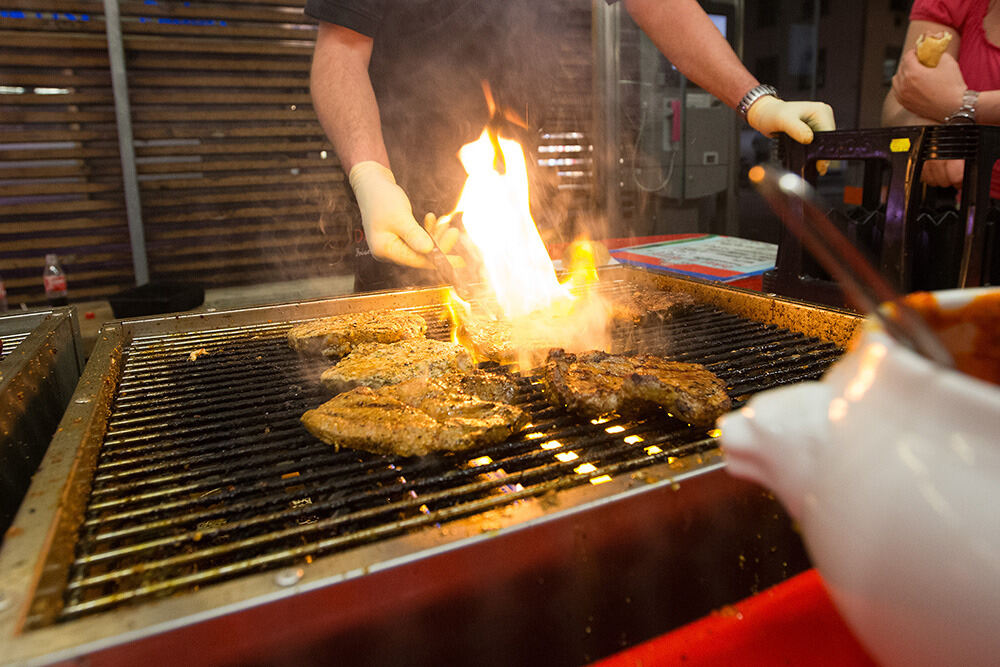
[343, 96]
[684, 33]
[348, 111]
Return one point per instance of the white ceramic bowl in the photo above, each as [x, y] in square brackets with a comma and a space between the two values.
[891, 465]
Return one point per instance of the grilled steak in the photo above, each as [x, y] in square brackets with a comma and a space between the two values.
[499, 387]
[641, 302]
[595, 383]
[376, 365]
[336, 336]
[413, 418]
[506, 342]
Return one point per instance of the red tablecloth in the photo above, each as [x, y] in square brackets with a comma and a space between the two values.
[792, 623]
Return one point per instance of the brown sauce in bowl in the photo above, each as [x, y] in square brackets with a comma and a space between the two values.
[971, 333]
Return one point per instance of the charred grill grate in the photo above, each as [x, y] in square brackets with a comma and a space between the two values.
[206, 474]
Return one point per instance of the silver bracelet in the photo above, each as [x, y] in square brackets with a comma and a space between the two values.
[752, 96]
[966, 114]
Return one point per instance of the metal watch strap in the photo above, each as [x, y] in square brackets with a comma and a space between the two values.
[752, 96]
[966, 113]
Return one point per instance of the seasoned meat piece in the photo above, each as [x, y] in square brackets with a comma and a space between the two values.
[376, 365]
[412, 418]
[640, 302]
[499, 387]
[596, 383]
[508, 342]
[336, 336]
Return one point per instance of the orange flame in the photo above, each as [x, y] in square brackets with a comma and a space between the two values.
[515, 264]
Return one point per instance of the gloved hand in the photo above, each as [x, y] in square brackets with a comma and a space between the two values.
[798, 120]
[391, 230]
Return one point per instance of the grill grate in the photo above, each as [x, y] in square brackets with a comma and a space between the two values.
[206, 474]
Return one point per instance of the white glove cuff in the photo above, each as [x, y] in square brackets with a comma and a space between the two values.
[368, 169]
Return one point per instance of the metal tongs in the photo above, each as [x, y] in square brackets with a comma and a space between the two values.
[799, 207]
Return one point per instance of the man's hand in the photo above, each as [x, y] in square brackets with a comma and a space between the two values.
[387, 216]
[799, 120]
[769, 115]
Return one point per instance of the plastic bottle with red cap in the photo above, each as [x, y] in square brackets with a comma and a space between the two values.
[55, 281]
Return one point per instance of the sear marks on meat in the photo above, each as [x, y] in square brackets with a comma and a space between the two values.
[641, 302]
[499, 387]
[413, 418]
[596, 383]
[377, 365]
[336, 336]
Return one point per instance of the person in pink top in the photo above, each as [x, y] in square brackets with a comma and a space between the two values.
[963, 88]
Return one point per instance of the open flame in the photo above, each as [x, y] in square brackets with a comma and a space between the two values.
[497, 218]
[515, 265]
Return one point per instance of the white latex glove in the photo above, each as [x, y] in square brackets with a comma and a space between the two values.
[769, 115]
[392, 232]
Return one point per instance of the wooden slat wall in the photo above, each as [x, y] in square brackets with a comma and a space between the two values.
[234, 168]
[60, 174]
[238, 184]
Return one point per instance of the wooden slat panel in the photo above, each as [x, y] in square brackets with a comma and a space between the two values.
[94, 131]
[53, 40]
[49, 79]
[32, 99]
[31, 117]
[303, 47]
[50, 207]
[188, 116]
[153, 199]
[239, 81]
[55, 171]
[171, 61]
[145, 96]
[44, 244]
[31, 24]
[245, 181]
[233, 148]
[223, 214]
[246, 12]
[60, 188]
[276, 162]
[146, 130]
[76, 153]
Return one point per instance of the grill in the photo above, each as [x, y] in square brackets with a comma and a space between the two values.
[194, 486]
[41, 361]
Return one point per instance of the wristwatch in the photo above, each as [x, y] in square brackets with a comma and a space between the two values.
[966, 114]
[752, 96]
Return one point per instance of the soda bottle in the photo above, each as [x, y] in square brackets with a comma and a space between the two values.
[3, 297]
[55, 281]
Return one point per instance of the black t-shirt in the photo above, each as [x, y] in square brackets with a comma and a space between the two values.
[429, 58]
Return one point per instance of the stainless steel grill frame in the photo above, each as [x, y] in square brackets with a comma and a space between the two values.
[41, 361]
[600, 566]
